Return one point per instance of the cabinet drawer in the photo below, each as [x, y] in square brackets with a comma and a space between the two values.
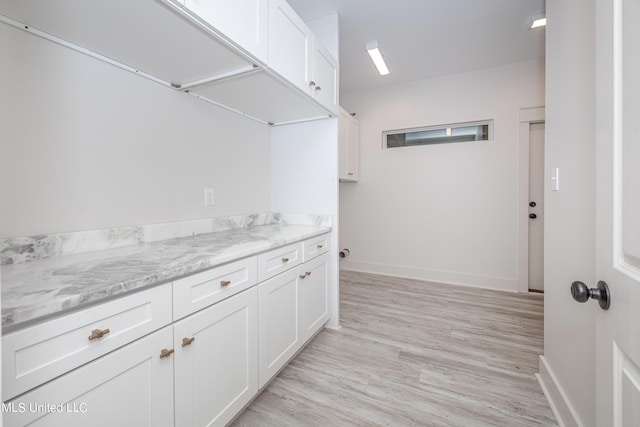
[39, 353]
[131, 386]
[279, 260]
[315, 246]
[203, 289]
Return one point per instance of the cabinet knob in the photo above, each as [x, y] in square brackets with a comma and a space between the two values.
[350, 173]
[302, 276]
[165, 353]
[97, 334]
[312, 83]
[308, 273]
[225, 283]
[188, 341]
[318, 88]
[285, 260]
[320, 246]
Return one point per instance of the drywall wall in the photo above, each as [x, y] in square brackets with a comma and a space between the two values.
[84, 145]
[569, 328]
[304, 168]
[446, 212]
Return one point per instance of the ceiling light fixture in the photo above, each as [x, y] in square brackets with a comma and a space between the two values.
[538, 20]
[376, 57]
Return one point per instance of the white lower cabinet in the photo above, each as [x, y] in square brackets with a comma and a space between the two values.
[216, 361]
[200, 370]
[131, 386]
[293, 306]
[314, 292]
[279, 327]
[34, 355]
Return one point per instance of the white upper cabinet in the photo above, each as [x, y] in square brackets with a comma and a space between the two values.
[348, 141]
[296, 55]
[324, 84]
[243, 22]
[289, 44]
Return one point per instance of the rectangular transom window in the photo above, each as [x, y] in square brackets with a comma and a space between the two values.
[441, 134]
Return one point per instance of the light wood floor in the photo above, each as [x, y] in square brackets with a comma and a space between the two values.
[413, 353]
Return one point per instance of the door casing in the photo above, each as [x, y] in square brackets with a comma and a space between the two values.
[528, 116]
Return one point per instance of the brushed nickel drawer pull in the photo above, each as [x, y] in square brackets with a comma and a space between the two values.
[302, 276]
[224, 283]
[187, 341]
[97, 334]
[165, 353]
[285, 260]
[320, 246]
[308, 273]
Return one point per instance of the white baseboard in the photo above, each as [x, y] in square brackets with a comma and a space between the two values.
[440, 276]
[557, 398]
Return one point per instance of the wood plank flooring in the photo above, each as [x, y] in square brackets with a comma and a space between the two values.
[413, 353]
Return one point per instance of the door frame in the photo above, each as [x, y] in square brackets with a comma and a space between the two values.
[528, 116]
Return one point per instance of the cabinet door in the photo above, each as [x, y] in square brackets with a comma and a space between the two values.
[244, 22]
[132, 386]
[348, 139]
[289, 44]
[325, 77]
[343, 143]
[279, 325]
[216, 361]
[353, 147]
[314, 290]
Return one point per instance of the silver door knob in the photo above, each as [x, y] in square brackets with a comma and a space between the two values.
[581, 293]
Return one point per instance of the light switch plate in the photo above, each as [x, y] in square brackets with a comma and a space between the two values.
[208, 197]
[555, 180]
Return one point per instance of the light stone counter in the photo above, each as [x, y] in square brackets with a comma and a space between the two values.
[39, 289]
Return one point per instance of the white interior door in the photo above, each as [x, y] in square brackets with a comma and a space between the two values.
[536, 207]
[618, 211]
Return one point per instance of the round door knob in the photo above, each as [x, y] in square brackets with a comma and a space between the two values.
[581, 293]
[532, 204]
[533, 216]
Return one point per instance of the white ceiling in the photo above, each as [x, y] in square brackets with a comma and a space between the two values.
[427, 38]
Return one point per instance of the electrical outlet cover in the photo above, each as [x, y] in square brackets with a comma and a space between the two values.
[208, 197]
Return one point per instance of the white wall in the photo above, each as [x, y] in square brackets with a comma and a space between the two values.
[304, 168]
[568, 365]
[84, 145]
[446, 212]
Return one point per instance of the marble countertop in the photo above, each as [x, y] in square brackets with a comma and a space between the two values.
[36, 290]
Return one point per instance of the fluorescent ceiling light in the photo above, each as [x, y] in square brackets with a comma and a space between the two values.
[538, 20]
[376, 57]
